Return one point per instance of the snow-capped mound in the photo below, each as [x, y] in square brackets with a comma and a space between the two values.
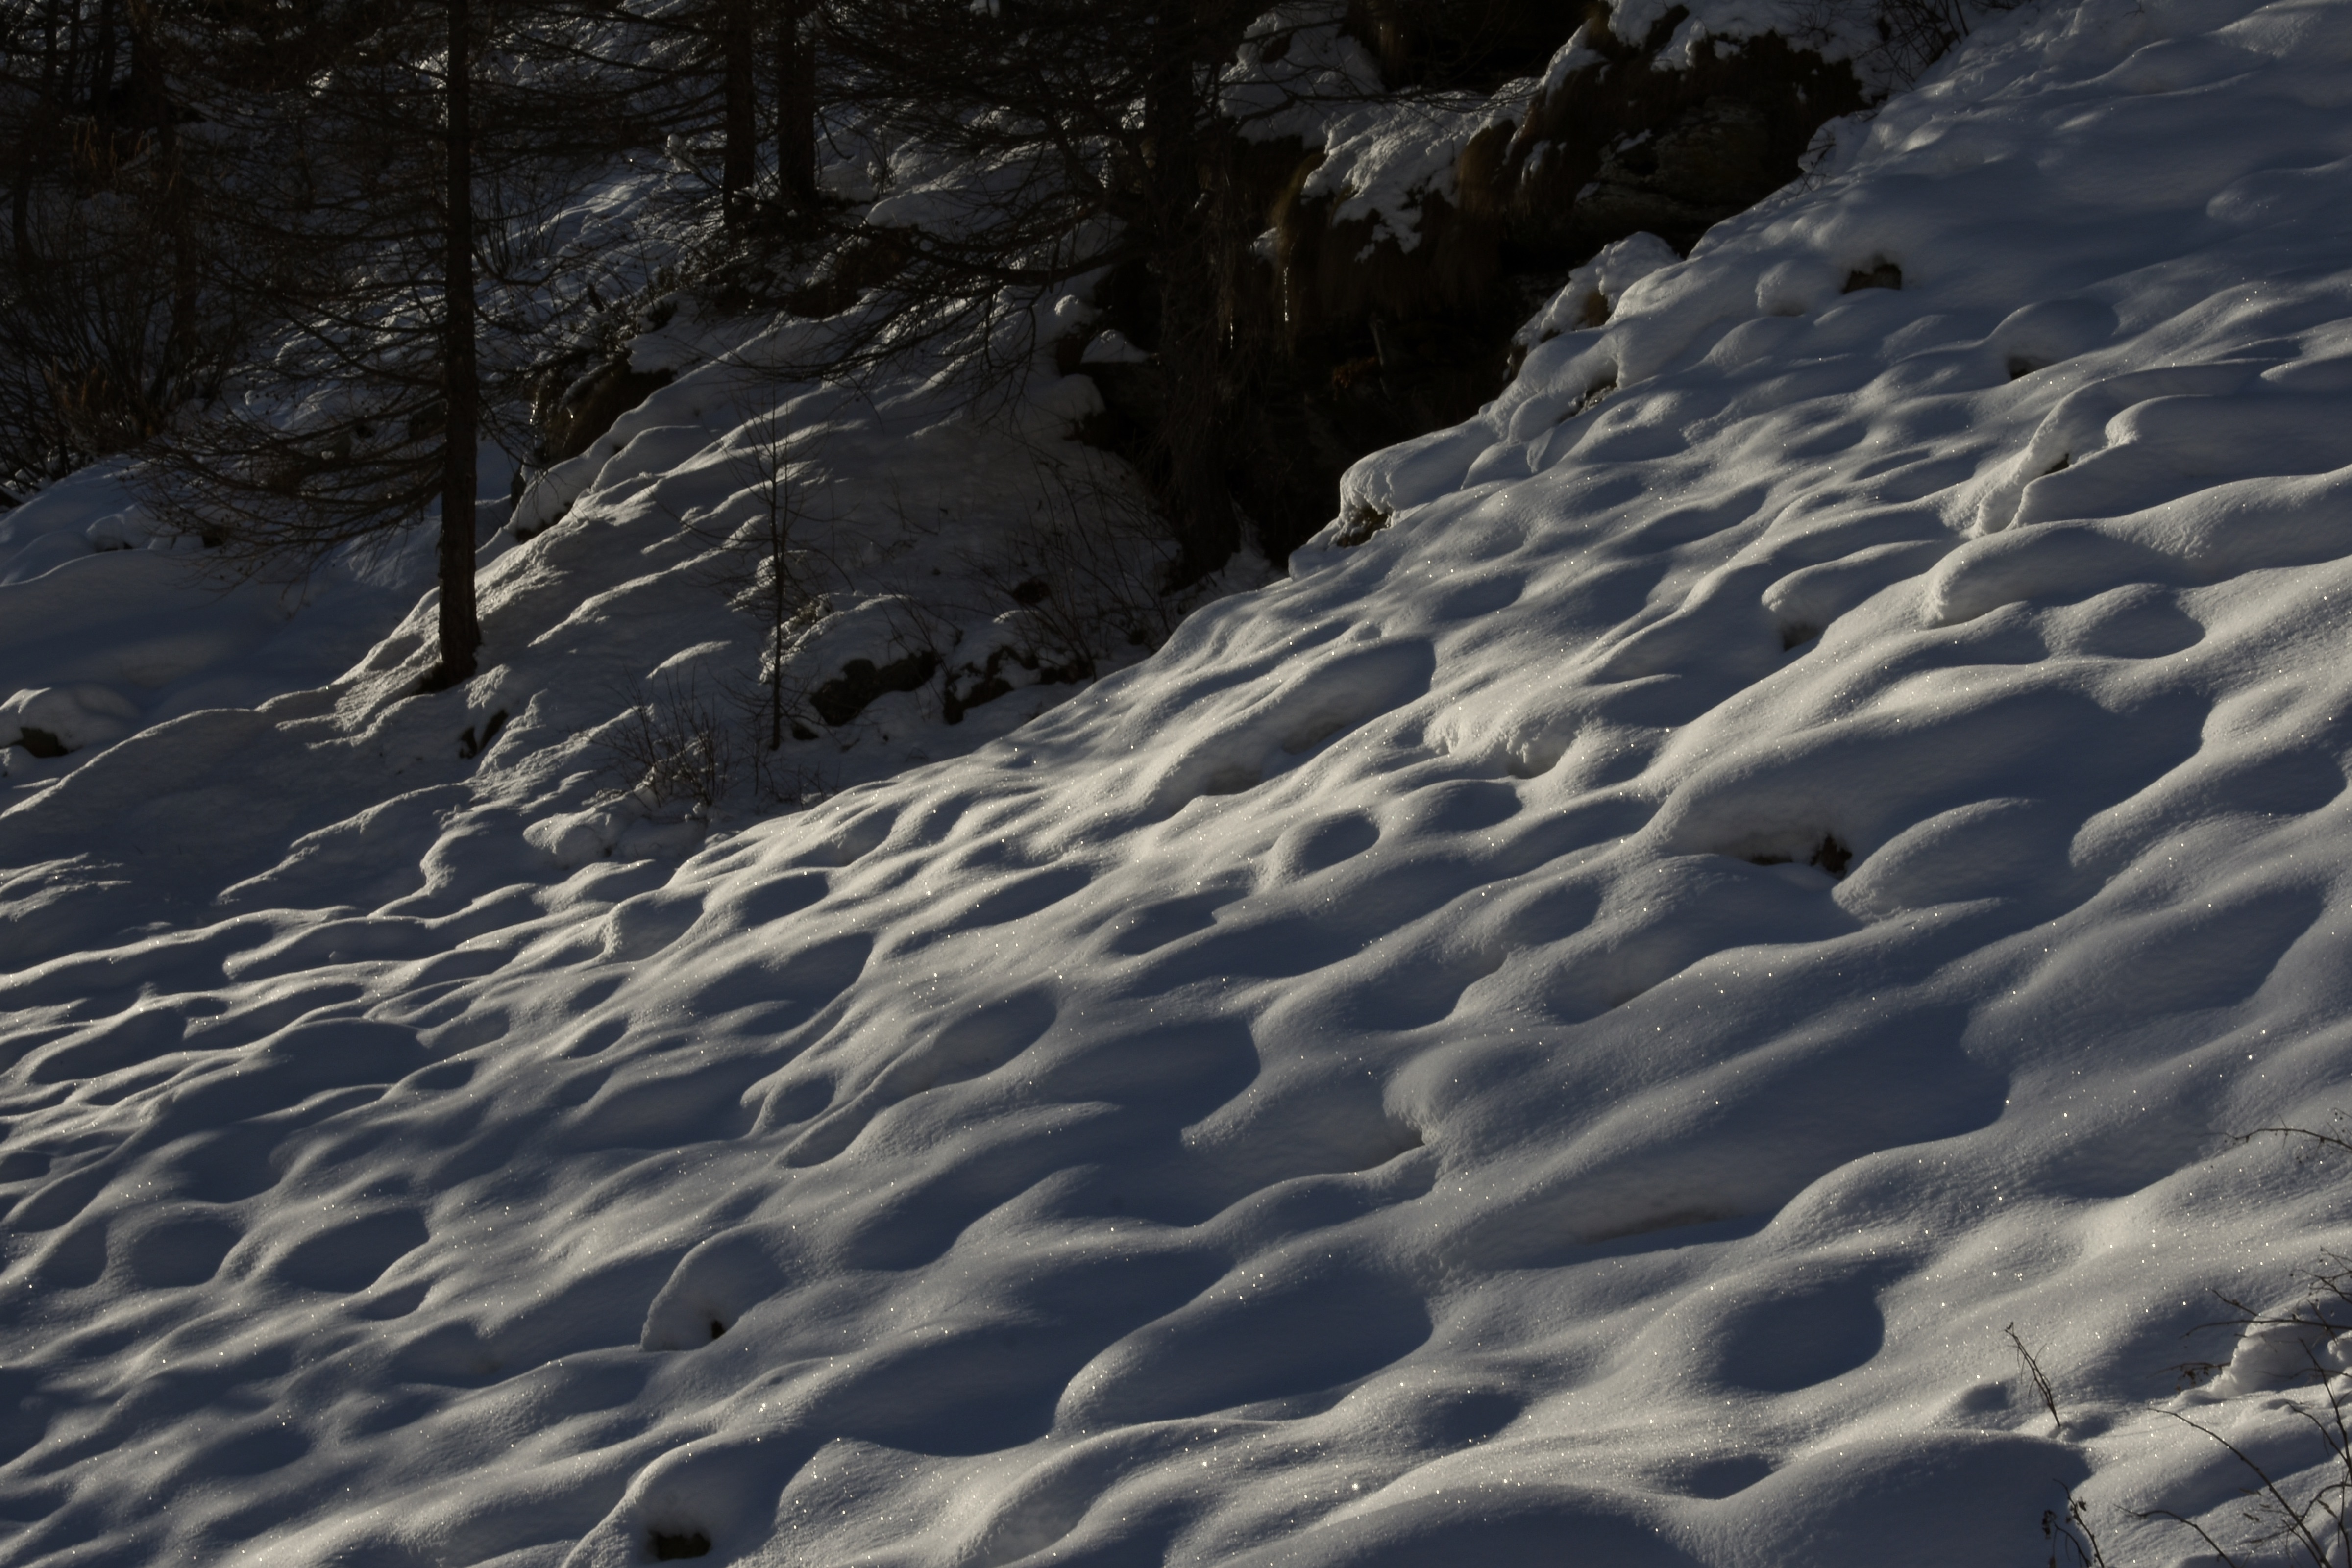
[1564, 1031]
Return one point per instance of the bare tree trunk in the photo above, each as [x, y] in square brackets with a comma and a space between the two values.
[1192, 439]
[739, 160]
[1192, 309]
[461, 632]
[150, 109]
[149, 105]
[101, 68]
[780, 610]
[73, 48]
[37, 134]
[795, 106]
[20, 208]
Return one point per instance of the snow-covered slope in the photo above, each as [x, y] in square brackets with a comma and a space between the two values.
[1345, 1090]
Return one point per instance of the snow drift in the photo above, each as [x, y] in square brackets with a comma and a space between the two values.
[1563, 1031]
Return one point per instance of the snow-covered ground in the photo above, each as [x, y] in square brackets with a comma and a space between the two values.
[1344, 1091]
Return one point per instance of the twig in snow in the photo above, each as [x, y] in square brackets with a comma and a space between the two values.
[2040, 1383]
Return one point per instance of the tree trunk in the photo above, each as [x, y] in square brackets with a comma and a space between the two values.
[740, 161]
[149, 107]
[1189, 265]
[1192, 438]
[150, 110]
[101, 69]
[779, 611]
[37, 135]
[20, 210]
[461, 632]
[795, 106]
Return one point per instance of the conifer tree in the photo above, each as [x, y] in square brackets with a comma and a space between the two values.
[733, 39]
[105, 323]
[1069, 137]
[393, 208]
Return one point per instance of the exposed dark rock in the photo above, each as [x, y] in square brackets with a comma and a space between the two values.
[469, 746]
[1879, 274]
[971, 685]
[988, 688]
[1698, 169]
[1359, 526]
[1481, 43]
[1832, 857]
[587, 408]
[1829, 855]
[1621, 146]
[1370, 343]
[861, 680]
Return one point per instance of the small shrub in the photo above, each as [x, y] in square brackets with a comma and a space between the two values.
[2305, 1520]
[675, 741]
[1078, 581]
[2073, 1542]
[2312, 1523]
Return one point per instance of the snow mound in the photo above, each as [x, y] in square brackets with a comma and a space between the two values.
[1568, 1026]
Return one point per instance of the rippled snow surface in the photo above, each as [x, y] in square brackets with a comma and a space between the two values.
[1562, 1034]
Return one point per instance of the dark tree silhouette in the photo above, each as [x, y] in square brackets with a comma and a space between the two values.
[392, 226]
[1072, 138]
[106, 324]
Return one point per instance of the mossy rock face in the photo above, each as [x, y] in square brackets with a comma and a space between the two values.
[1380, 343]
[1349, 341]
[1705, 166]
[1621, 146]
[1343, 275]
